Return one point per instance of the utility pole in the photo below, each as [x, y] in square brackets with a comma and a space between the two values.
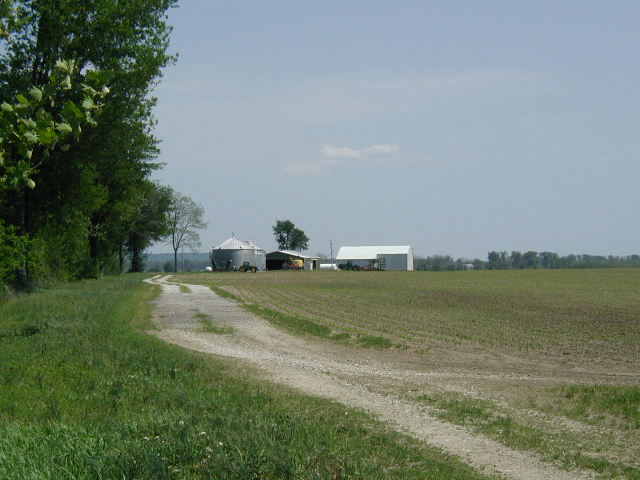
[331, 248]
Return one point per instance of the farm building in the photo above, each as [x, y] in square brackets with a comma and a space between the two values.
[291, 260]
[384, 257]
[233, 253]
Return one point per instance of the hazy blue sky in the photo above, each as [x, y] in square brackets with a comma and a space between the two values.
[457, 127]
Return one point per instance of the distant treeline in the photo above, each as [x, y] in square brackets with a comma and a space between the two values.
[521, 260]
[167, 266]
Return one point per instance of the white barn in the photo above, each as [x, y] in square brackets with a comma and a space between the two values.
[393, 257]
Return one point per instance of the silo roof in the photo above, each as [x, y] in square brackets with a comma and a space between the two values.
[235, 243]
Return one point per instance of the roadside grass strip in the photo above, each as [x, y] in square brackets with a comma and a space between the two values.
[618, 406]
[86, 394]
[300, 325]
[568, 449]
[209, 327]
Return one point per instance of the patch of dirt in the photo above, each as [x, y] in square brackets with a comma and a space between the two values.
[373, 380]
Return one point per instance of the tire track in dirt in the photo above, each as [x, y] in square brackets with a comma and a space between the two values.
[335, 372]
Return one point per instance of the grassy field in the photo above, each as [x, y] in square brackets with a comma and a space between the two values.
[589, 314]
[591, 317]
[86, 394]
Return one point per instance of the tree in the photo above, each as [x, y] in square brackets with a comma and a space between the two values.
[289, 237]
[42, 122]
[150, 221]
[185, 219]
[82, 193]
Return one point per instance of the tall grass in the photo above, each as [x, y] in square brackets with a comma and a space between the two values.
[85, 394]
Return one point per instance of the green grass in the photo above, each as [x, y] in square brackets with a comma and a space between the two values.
[292, 323]
[565, 447]
[85, 394]
[375, 341]
[618, 406]
[209, 327]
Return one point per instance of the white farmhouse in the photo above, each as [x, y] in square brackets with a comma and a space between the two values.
[391, 257]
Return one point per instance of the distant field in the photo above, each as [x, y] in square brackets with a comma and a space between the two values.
[589, 314]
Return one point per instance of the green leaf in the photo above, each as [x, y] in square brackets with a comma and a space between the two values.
[24, 151]
[90, 91]
[66, 83]
[88, 104]
[36, 93]
[29, 123]
[65, 147]
[71, 112]
[30, 183]
[62, 65]
[22, 99]
[6, 107]
[64, 128]
[31, 137]
[1, 158]
[48, 136]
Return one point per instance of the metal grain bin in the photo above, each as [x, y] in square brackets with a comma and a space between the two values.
[232, 254]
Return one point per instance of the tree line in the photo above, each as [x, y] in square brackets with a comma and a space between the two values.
[76, 144]
[502, 260]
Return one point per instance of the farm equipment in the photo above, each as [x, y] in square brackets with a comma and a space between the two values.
[228, 267]
[224, 267]
[349, 266]
[374, 265]
[293, 264]
[246, 267]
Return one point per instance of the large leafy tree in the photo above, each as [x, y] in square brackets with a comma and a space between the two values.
[289, 237]
[150, 221]
[185, 219]
[83, 193]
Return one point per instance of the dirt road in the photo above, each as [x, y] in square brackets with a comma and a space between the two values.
[359, 378]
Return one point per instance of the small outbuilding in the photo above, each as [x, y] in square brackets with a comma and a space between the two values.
[378, 257]
[233, 253]
[291, 260]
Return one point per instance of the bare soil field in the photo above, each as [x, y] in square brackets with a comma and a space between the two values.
[507, 396]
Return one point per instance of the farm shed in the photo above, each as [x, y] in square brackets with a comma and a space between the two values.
[388, 257]
[291, 260]
[233, 252]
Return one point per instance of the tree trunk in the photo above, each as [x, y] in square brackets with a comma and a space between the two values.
[175, 260]
[121, 258]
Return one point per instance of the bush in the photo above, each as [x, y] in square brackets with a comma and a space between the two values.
[13, 254]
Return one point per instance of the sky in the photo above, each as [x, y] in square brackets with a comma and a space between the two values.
[456, 127]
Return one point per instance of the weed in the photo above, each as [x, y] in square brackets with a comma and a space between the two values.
[375, 341]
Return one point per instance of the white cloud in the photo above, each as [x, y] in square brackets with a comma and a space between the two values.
[381, 149]
[329, 151]
[336, 155]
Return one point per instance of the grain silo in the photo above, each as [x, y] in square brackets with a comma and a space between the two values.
[233, 253]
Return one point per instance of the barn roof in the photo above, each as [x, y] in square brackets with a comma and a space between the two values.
[371, 252]
[291, 253]
[235, 243]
